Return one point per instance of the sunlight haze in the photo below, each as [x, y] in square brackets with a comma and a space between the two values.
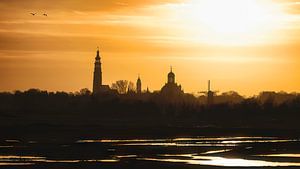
[243, 45]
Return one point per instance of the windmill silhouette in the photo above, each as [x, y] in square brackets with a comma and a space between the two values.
[210, 94]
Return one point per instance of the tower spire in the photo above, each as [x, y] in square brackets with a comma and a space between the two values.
[98, 54]
[139, 85]
[97, 80]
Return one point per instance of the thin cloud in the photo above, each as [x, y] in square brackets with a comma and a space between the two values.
[290, 6]
[79, 5]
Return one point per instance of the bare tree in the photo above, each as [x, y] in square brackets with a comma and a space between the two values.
[131, 87]
[121, 86]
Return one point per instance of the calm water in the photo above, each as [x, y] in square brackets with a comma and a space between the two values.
[201, 151]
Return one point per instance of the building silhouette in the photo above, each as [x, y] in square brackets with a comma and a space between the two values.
[171, 88]
[98, 87]
[139, 85]
[210, 95]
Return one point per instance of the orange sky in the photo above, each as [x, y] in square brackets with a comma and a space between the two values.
[247, 47]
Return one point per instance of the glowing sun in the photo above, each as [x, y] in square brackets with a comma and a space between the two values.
[238, 16]
[229, 21]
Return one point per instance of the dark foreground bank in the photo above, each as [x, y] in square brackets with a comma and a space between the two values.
[45, 132]
[89, 147]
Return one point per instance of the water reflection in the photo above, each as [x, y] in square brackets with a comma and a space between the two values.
[122, 141]
[12, 141]
[15, 164]
[218, 139]
[217, 151]
[208, 151]
[177, 155]
[20, 158]
[30, 160]
[109, 160]
[126, 156]
[191, 142]
[6, 146]
[179, 144]
[225, 162]
[280, 155]
[257, 141]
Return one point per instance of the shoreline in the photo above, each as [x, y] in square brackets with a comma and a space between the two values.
[76, 132]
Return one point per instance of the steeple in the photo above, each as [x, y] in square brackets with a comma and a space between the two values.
[98, 54]
[139, 85]
[97, 80]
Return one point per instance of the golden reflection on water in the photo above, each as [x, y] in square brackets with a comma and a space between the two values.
[225, 162]
[109, 160]
[192, 142]
[14, 157]
[220, 138]
[30, 160]
[216, 151]
[209, 158]
[280, 155]
[122, 141]
[179, 144]
[240, 139]
[126, 156]
[258, 141]
[177, 155]
[15, 164]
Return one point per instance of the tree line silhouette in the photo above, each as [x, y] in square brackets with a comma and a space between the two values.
[268, 109]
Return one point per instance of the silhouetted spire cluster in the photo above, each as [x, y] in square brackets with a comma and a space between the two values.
[171, 90]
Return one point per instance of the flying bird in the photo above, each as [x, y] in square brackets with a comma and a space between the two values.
[45, 14]
[32, 13]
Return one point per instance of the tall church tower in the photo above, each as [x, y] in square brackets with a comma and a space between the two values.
[210, 95]
[97, 81]
[139, 86]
